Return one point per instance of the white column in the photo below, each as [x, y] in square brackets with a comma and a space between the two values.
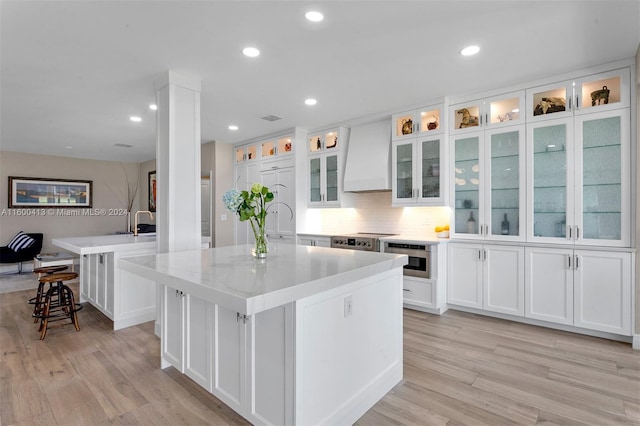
[178, 163]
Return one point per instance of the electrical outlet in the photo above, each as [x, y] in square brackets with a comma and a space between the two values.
[223, 217]
[348, 306]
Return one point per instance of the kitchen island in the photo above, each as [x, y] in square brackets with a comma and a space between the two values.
[311, 335]
[123, 297]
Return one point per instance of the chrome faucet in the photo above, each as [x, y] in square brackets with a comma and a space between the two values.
[135, 229]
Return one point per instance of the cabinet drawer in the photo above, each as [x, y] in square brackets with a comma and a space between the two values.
[417, 291]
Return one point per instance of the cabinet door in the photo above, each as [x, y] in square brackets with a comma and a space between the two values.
[284, 202]
[465, 275]
[467, 116]
[602, 92]
[173, 328]
[549, 284]
[504, 110]
[467, 186]
[229, 356]
[315, 181]
[198, 340]
[429, 171]
[550, 181]
[503, 279]
[602, 177]
[505, 171]
[550, 101]
[603, 291]
[270, 180]
[332, 184]
[403, 191]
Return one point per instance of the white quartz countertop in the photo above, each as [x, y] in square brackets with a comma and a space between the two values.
[105, 243]
[414, 239]
[231, 277]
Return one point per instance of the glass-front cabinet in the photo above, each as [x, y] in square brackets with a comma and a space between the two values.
[409, 124]
[246, 153]
[278, 146]
[488, 184]
[599, 92]
[579, 180]
[324, 141]
[323, 180]
[418, 172]
[480, 114]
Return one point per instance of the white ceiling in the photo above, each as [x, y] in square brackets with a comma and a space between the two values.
[73, 72]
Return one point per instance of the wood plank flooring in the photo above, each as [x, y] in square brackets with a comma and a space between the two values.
[459, 368]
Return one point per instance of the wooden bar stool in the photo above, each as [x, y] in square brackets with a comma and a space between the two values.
[59, 303]
[37, 301]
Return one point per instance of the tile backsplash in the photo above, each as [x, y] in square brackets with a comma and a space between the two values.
[372, 212]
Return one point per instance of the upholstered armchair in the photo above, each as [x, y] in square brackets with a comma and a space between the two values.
[9, 255]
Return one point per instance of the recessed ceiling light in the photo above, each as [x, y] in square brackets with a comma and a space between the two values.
[314, 16]
[251, 52]
[470, 50]
[153, 107]
[134, 118]
[310, 101]
[233, 127]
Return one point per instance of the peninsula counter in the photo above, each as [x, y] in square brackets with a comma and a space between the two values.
[311, 335]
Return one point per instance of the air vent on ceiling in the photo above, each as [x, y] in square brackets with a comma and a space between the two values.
[123, 145]
[272, 118]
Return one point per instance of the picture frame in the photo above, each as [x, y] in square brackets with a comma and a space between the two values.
[49, 192]
[152, 191]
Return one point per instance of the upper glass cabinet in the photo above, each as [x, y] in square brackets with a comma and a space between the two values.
[598, 92]
[503, 110]
[279, 146]
[246, 153]
[324, 141]
[409, 124]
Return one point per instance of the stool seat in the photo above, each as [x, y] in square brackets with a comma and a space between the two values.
[59, 276]
[45, 270]
[58, 303]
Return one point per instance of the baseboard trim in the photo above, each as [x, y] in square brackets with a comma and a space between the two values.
[562, 327]
[636, 342]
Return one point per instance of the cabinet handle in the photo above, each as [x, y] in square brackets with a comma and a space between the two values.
[569, 104]
[577, 263]
[418, 193]
[484, 253]
[577, 232]
[486, 119]
[577, 101]
[569, 233]
[480, 119]
[479, 254]
[569, 257]
[407, 290]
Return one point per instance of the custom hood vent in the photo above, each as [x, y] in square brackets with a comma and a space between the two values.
[368, 166]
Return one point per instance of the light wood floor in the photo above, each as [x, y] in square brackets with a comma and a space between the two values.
[459, 368]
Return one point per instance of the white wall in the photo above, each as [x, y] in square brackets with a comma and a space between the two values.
[109, 193]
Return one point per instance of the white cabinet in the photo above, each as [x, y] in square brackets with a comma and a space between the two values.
[247, 153]
[479, 114]
[124, 298]
[429, 294]
[172, 328]
[276, 147]
[419, 171]
[488, 277]
[314, 240]
[489, 184]
[582, 95]
[579, 180]
[246, 174]
[280, 222]
[325, 169]
[584, 288]
[418, 122]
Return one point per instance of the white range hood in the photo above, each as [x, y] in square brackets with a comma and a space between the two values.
[368, 166]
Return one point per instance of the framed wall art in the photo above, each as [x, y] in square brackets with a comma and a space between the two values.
[152, 191]
[46, 192]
